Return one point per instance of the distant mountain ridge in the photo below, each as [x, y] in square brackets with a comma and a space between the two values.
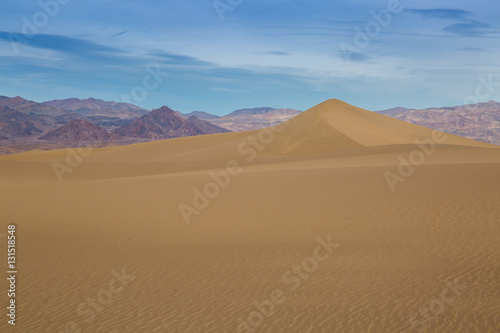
[95, 107]
[477, 121]
[250, 111]
[254, 118]
[31, 108]
[201, 115]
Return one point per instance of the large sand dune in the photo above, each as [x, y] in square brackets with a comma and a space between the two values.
[416, 244]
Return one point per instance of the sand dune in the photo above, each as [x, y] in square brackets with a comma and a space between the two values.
[321, 175]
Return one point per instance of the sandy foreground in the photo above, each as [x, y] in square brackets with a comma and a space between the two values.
[336, 221]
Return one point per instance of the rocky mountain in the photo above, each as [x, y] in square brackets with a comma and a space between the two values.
[97, 107]
[79, 132]
[164, 123]
[254, 118]
[14, 124]
[476, 121]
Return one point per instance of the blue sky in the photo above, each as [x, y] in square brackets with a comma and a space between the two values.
[249, 53]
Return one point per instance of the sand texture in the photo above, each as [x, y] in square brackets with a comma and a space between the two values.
[107, 248]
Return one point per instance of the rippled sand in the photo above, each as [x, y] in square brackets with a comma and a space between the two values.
[108, 249]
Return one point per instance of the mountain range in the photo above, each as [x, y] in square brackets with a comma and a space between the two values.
[476, 121]
[26, 125]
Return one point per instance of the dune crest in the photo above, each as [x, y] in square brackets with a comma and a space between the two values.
[336, 125]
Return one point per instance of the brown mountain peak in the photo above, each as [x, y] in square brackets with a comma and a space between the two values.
[79, 132]
[165, 123]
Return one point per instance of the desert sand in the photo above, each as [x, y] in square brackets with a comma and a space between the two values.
[118, 245]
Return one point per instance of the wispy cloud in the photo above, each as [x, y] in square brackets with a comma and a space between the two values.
[179, 59]
[355, 56]
[456, 14]
[472, 49]
[120, 33]
[465, 26]
[278, 53]
[70, 45]
[469, 28]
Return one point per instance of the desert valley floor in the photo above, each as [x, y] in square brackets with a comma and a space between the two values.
[118, 245]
